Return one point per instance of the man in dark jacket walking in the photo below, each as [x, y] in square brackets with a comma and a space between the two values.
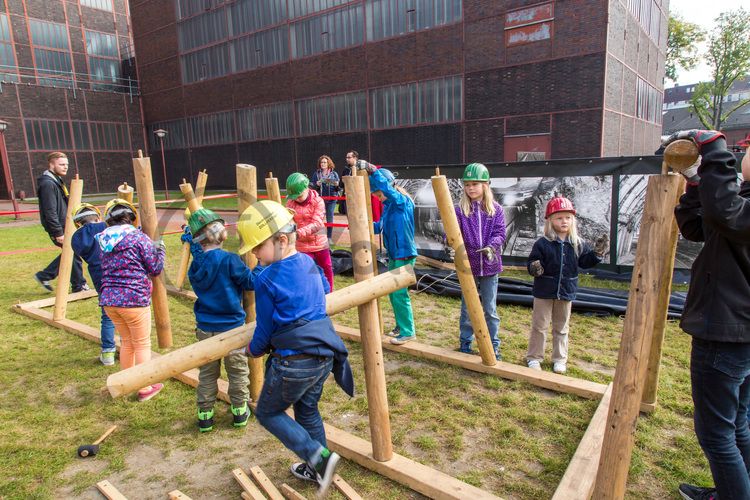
[716, 211]
[53, 207]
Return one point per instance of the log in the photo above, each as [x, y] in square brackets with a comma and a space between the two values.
[247, 194]
[66, 259]
[653, 265]
[374, 247]
[681, 154]
[463, 270]
[362, 257]
[205, 351]
[265, 484]
[125, 192]
[147, 207]
[272, 188]
[200, 188]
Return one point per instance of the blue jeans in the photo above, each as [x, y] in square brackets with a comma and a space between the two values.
[107, 333]
[487, 286]
[296, 382]
[330, 209]
[720, 377]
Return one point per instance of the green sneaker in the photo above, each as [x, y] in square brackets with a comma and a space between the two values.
[240, 415]
[206, 420]
[107, 358]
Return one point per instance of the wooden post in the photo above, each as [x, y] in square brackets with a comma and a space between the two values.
[660, 321]
[463, 270]
[205, 351]
[374, 247]
[651, 271]
[247, 194]
[125, 192]
[66, 258]
[147, 208]
[362, 256]
[200, 188]
[272, 188]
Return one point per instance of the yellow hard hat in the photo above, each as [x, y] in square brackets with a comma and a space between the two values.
[111, 209]
[84, 210]
[260, 221]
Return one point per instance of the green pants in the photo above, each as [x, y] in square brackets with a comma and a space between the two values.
[238, 374]
[401, 302]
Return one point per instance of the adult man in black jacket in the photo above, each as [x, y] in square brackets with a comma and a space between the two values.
[53, 206]
[716, 211]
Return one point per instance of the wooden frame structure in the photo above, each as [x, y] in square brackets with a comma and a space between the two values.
[612, 428]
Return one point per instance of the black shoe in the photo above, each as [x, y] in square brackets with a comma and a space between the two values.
[45, 283]
[240, 415]
[205, 420]
[301, 470]
[82, 288]
[690, 492]
[324, 471]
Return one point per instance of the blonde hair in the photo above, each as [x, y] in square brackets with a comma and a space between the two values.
[551, 235]
[487, 202]
[55, 155]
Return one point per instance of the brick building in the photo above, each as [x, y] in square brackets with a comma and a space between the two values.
[277, 83]
[67, 83]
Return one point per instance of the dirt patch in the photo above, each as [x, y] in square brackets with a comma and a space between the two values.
[594, 367]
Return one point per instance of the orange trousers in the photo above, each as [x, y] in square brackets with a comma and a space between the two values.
[134, 326]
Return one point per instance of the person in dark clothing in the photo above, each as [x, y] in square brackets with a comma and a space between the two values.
[715, 210]
[53, 207]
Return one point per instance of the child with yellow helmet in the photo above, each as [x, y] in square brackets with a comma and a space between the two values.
[293, 326]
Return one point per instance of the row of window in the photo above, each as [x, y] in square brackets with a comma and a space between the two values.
[98, 4]
[7, 56]
[54, 135]
[648, 102]
[649, 16]
[262, 12]
[432, 101]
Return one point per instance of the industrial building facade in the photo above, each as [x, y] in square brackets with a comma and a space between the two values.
[67, 83]
[277, 83]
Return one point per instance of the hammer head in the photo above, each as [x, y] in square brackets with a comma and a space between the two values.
[88, 450]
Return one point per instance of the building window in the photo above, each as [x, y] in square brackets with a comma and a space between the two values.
[109, 136]
[388, 18]
[432, 101]
[260, 49]
[338, 113]
[648, 104]
[299, 8]
[54, 58]
[265, 122]
[104, 59]
[81, 137]
[203, 30]
[648, 15]
[98, 4]
[47, 135]
[217, 128]
[176, 137]
[528, 25]
[334, 30]
[8, 67]
[211, 62]
[252, 15]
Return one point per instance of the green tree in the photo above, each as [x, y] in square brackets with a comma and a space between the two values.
[728, 56]
[682, 46]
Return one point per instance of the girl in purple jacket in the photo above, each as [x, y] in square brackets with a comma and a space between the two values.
[482, 224]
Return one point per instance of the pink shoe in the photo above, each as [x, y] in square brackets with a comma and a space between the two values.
[146, 395]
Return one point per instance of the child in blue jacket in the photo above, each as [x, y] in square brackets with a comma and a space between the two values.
[554, 262]
[86, 218]
[218, 279]
[293, 326]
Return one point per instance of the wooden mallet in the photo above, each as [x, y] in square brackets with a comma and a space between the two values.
[87, 450]
[681, 154]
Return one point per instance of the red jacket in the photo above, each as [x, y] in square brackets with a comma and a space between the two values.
[310, 218]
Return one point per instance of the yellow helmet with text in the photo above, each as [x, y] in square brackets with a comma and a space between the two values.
[84, 210]
[260, 221]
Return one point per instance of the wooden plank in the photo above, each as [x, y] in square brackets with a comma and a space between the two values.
[290, 493]
[50, 301]
[185, 294]
[437, 264]
[579, 477]
[108, 490]
[345, 489]
[263, 482]
[178, 495]
[247, 485]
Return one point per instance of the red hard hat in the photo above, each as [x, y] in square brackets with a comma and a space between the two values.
[559, 204]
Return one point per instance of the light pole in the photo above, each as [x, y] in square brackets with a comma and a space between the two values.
[161, 133]
[6, 168]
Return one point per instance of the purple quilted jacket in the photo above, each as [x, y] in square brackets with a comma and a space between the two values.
[126, 268]
[479, 230]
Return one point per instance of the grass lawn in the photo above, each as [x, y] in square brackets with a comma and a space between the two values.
[510, 438]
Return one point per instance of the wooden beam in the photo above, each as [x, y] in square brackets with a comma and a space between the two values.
[272, 188]
[374, 247]
[345, 489]
[247, 485]
[579, 477]
[50, 301]
[200, 189]
[264, 483]
[178, 495]
[437, 264]
[108, 490]
[66, 257]
[290, 493]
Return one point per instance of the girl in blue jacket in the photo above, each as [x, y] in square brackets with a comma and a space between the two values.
[554, 262]
[397, 226]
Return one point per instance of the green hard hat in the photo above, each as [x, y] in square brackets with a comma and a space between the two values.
[295, 184]
[476, 172]
[201, 218]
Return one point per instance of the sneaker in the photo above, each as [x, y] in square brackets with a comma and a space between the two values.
[205, 420]
[240, 415]
[402, 339]
[468, 350]
[498, 356]
[324, 472]
[559, 367]
[396, 332]
[301, 470]
[534, 365]
[82, 288]
[107, 358]
[44, 283]
[690, 492]
[146, 395]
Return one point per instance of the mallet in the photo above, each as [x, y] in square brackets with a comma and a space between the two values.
[681, 154]
[92, 449]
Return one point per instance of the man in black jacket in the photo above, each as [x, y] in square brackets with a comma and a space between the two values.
[53, 206]
[716, 211]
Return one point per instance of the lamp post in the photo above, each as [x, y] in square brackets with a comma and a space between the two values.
[161, 133]
[6, 167]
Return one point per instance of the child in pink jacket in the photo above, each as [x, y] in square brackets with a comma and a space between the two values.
[309, 216]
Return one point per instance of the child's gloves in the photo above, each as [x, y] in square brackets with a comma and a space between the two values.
[366, 166]
[451, 253]
[601, 245]
[699, 137]
[488, 252]
[691, 173]
[159, 245]
[536, 269]
[187, 236]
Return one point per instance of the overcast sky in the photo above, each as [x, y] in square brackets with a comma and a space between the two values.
[702, 13]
